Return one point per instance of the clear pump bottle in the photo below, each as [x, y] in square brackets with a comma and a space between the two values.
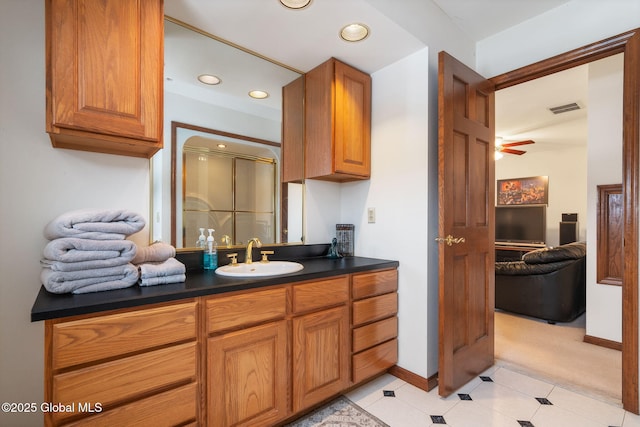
[210, 257]
[201, 243]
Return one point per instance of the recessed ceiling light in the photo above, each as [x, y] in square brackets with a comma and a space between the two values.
[258, 94]
[295, 4]
[209, 79]
[222, 145]
[354, 32]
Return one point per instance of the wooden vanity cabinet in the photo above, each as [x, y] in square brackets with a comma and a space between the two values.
[247, 358]
[104, 75]
[124, 367]
[374, 323]
[337, 123]
[321, 340]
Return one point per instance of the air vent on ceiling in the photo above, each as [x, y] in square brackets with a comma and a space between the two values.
[564, 108]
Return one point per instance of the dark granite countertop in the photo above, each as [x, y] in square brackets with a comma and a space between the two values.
[198, 283]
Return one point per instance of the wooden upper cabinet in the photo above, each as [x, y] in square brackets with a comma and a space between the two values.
[104, 63]
[293, 131]
[337, 123]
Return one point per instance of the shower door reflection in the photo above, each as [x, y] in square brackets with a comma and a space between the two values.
[234, 194]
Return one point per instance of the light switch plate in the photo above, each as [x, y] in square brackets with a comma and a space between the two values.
[371, 215]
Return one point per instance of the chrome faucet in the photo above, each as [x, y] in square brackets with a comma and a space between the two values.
[250, 243]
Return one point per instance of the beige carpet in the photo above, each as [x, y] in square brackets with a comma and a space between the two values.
[558, 355]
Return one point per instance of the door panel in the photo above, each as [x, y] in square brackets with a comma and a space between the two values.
[466, 200]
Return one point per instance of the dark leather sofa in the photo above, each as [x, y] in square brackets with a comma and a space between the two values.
[548, 283]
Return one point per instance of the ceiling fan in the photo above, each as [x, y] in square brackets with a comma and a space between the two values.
[505, 147]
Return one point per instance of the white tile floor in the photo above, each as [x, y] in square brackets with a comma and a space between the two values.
[509, 399]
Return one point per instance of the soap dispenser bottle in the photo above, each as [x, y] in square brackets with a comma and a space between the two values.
[210, 257]
[202, 240]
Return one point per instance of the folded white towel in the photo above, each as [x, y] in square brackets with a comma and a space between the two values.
[156, 252]
[163, 280]
[83, 281]
[170, 267]
[97, 224]
[73, 250]
[83, 265]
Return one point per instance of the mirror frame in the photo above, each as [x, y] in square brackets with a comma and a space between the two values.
[174, 168]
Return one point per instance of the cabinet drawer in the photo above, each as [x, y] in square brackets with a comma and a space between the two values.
[371, 309]
[371, 284]
[375, 360]
[374, 333]
[96, 338]
[324, 293]
[124, 379]
[245, 309]
[173, 407]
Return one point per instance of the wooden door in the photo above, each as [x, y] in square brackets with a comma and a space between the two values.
[321, 350]
[247, 376]
[466, 223]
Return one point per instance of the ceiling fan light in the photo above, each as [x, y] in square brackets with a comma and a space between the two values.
[354, 32]
[295, 4]
[497, 155]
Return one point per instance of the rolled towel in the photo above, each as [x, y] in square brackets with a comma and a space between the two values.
[71, 250]
[95, 224]
[156, 252]
[84, 281]
[163, 280]
[170, 267]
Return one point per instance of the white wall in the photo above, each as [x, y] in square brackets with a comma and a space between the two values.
[398, 190]
[567, 172]
[604, 302]
[572, 25]
[37, 183]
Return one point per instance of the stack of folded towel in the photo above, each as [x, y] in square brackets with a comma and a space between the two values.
[158, 266]
[88, 251]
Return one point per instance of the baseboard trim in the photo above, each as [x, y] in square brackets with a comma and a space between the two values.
[426, 384]
[615, 345]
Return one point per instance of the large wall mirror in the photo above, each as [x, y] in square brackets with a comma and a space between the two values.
[221, 165]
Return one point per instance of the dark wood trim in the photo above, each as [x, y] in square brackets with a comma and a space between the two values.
[609, 254]
[614, 345]
[564, 61]
[174, 160]
[629, 44]
[630, 186]
[426, 384]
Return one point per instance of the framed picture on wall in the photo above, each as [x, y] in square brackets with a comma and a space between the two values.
[523, 191]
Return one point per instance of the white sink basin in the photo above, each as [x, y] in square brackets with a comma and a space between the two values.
[259, 269]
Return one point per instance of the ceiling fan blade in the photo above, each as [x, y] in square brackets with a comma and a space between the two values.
[510, 151]
[516, 143]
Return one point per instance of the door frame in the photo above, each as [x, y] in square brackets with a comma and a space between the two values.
[622, 43]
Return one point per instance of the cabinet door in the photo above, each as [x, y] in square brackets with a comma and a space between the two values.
[352, 121]
[293, 131]
[321, 349]
[337, 123]
[104, 75]
[247, 376]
